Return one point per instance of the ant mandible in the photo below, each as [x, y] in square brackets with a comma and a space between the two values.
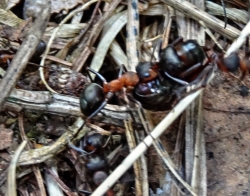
[181, 63]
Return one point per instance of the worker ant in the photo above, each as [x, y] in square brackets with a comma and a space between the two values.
[94, 97]
[96, 164]
[7, 55]
[182, 63]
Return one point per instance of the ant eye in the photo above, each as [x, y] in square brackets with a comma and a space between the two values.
[143, 69]
[146, 75]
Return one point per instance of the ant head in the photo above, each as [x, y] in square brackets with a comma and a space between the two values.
[94, 141]
[146, 71]
[92, 98]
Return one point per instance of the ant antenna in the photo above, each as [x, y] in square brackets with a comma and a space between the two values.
[157, 46]
[225, 13]
[121, 70]
[98, 109]
[247, 48]
[97, 74]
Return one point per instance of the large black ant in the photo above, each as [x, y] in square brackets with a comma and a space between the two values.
[154, 83]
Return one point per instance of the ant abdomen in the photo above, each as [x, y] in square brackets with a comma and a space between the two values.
[91, 98]
[230, 63]
[179, 57]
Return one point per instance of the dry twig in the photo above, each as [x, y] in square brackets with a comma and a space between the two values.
[197, 14]
[24, 53]
[34, 168]
[11, 179]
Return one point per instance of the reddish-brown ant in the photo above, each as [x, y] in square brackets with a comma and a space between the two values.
[233, 62]
[6, 56]
[96, 163]
[93, 142]
[154, 84]
[94, 97]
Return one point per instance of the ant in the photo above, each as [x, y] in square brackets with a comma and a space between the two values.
[6, 55]
[94, 97]
[156, 85]
[96, 164]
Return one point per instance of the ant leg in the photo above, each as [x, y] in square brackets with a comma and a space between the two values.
[78, 149]
[90, 77]
[85, 192]
[225, 13]
[210, 72]
[206, 48]
[109, 95]
[177, 41]
[190, 70]
[98, 110]
[141, 113]
[120, 71]
[193, 86]
[182, 82]
[156, 49]
[204, 72]
[247, 48]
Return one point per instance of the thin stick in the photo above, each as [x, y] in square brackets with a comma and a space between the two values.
[11, 179]
[133, 35]
[240, 40]
[197, 14]
[60, 183]
[131, 143]
[35, 169]
[143, 166]
[41, 154]
[95, 32]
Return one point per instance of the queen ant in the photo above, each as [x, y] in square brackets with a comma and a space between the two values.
[181, 64]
